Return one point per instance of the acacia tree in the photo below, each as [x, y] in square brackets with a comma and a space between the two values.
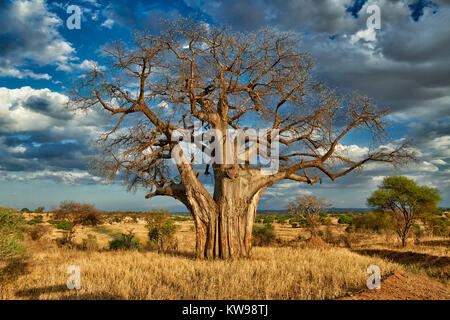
[405, 200]
[309, 207]
[194, 72]
[76, 214]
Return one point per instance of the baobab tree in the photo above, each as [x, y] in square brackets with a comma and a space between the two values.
[194, 76]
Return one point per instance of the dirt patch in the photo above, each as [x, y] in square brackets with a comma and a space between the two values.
[437, 264]
[316, 242]
[405, 286]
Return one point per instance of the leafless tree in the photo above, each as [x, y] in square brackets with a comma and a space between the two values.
[309, 207]
[193, 71]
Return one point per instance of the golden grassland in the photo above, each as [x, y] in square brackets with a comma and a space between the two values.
[291, 269]
[272, 273]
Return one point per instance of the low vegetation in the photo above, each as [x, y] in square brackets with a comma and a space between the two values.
[12, 227]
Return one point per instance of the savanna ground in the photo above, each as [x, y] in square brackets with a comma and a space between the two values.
[292, 267]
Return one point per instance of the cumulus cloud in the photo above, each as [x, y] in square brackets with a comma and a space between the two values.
[30, 34]
[38, 135]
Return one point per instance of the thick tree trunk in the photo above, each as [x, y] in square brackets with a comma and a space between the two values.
[227, 230]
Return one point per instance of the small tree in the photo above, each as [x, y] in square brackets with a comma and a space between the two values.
[39, 210]
[25, 210]
[405, 200]
[161, 230]
[76, 214]
[309, 207]
[12, 225]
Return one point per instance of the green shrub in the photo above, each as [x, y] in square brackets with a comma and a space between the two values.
[258, 219]
[161, 231]
[181, 218]
[269, 219]
[12, 226]
[345, 220]
[64, 225]
[325, 221]
[373, 221]
[263, 235]
[124, 241]
[282, 219]
[35, 220]
[38, 232]
[294, 225]
[350, 229]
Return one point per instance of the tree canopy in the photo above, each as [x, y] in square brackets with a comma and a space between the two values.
[406, 200]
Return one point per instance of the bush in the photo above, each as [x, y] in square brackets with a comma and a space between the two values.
[78, 213]
[325, 221]
[269, 219]
[116, 219]
[294, 225]
[35, 220]
[12, 226]
[75, 214]
[125, 241]
[439, 226]
[181, 218]
[64, 225]
[90, 243]
[161, 231]
[25, 210]
[38, 232]
[348, 238]
[345, 220]
[350, 229]
[373, 221]
[39, 210]
[263, 235]
[282, 219]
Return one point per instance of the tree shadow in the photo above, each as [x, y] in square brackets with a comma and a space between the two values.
[182, 254]
[434, 243]
[408, 257]
[14, 269]
[35, 293]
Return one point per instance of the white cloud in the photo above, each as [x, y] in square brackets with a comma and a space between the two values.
[438, 162]
[37, 39]
[66, 177]
[108, 23]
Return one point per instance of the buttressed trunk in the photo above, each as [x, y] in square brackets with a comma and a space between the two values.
[224, 228]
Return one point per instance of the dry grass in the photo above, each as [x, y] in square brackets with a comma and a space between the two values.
[300, 270]
[272, 273]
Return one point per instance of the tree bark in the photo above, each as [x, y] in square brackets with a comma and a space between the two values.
[224, 230]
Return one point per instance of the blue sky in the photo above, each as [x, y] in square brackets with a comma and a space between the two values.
[43, 150]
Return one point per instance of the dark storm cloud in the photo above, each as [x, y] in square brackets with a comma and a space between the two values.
[46, 107]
